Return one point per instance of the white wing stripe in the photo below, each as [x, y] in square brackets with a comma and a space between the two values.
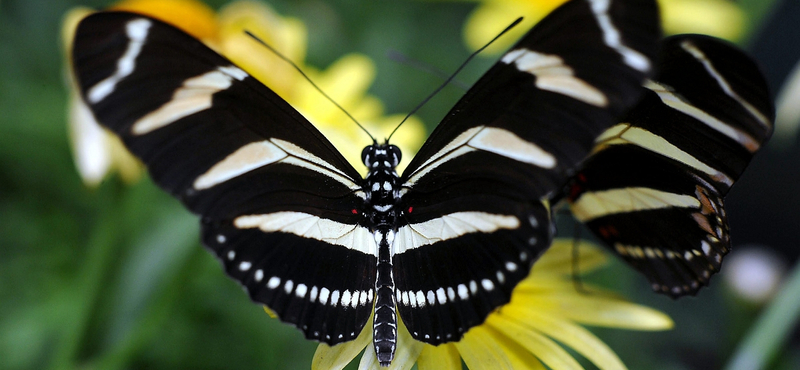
[669, 98]
[258, 154]
[243, 160]
[448, 227]
[194, 96]
[613, 39]
[136, 31]
[553, 75]
[723, 84]
[490, 139]
[315, 163]
[507, 144]
[312, 227]
[623, 133]
[592, 205]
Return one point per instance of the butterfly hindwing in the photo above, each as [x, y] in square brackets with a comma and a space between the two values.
[276, 199]
[472, 197]
[653, 188]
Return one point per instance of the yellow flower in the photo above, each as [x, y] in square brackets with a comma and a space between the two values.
[98, 153]
[720, 18]
[545, 310]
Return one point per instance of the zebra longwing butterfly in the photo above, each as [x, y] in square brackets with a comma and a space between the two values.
[654, 184]
[445, 243]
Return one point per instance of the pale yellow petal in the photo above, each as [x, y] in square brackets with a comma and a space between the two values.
[441, 357]
[491, 17]
[345, 81]
[720, 18]
[286, 35]
[597, 310]
[129, 167]
[519, 357]
[68, 26]
[549, 284]
[193, 17]
[90, 147]
[480, 351]
[270, 312]
[571, 335]
[550, 353]
[337, 357]
[560, 257]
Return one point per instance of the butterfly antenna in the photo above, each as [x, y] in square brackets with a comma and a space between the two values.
[401, 58]
[298, 69]
[452, 76]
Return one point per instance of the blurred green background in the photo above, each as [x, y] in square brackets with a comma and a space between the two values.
[115, 277]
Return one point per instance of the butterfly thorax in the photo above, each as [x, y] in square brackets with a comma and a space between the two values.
[381, 187]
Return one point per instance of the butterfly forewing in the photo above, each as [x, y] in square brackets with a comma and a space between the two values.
[472, 197]
[653, 188]
[276, 199]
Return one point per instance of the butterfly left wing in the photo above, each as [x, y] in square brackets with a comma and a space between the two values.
[472, 198]
[653, 188]
[278, 203]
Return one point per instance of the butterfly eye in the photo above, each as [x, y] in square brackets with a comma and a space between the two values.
[365, 155]
[396, 154]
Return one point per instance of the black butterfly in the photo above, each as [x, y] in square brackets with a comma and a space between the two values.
[445, 243]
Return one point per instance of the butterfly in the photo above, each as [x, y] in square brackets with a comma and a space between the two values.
[445, 243]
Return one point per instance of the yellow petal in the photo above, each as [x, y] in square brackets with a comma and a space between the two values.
[129, 167]
[491, 17]
[193, 17]
[559, 258]
[720, 18]
[519, 357]
[537, 283]
[480, 351]
[286, 35]
[270, 312]
[337, 357]
[571, 335]
[441, 357]
[345, 81]
[598, 310]
[550, 353]
[68, 26]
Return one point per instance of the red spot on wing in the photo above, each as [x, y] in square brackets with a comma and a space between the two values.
[355, 212]
[410, 209]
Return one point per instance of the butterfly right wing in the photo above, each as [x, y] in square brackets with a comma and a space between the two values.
[473, 199]
[279, 205]
[653, 188]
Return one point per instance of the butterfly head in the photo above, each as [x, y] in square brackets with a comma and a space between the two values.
[385, 155]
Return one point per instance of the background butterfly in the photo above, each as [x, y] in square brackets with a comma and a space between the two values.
[653, 187]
